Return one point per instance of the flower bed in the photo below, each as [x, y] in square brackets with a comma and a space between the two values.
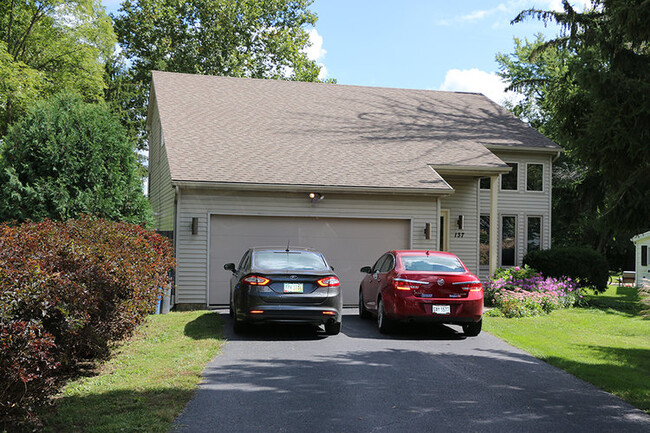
[523, 292]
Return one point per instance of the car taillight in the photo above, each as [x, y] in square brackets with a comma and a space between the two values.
[402, 284]
[476, 287]
[254, 280]
[329, 282]
[471, 286]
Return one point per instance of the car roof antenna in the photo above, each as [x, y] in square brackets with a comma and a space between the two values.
[287, 250]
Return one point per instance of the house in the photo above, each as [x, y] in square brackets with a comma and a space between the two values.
[351, 171]
[642, 264]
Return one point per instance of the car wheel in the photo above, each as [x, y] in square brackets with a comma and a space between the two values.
[239, 326]
[332, 328]
[363, 313]
[473, 329]
[383, 322]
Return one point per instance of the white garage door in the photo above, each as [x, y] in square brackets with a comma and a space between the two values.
[347, 243]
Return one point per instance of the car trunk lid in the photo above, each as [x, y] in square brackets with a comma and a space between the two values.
[438, 285]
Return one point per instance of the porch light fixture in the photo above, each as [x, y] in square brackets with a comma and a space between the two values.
[427, 231]
[316, 196]
[461, 222]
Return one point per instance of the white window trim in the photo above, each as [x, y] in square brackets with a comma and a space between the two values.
[501, 178]
[543, 180]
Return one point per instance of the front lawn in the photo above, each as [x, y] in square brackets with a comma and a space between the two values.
[606, 344]
[147, 381]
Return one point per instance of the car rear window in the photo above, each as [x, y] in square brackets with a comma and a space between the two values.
[432, 263]
[292, 260]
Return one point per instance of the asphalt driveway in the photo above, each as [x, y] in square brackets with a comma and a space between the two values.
[291, 379]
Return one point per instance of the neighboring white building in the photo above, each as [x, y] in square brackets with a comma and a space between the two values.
[642, 262]
[232, 163]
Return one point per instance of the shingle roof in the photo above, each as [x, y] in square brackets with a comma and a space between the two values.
[240, 130]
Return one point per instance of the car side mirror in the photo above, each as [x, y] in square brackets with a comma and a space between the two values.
[229, 267]
[366, 269]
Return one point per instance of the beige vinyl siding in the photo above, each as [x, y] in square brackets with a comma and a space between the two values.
[192, 250]
[161, 192]
[463, 202]
[522, 203]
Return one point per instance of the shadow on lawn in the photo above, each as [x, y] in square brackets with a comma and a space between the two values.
[115, 411]
[625, 301]
[625, 372]
[206, 326]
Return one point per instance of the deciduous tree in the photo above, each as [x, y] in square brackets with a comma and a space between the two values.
[245, 38]
[47, 46]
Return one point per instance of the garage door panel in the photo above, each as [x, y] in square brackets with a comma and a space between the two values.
[347, 243]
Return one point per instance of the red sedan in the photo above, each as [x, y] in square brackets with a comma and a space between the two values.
[420, 285]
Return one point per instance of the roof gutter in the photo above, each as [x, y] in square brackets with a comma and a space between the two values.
[311, 188]
[470, 170]
[527, 149]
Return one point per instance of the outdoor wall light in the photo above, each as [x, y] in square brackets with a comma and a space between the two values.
[427, 231]
[461, 222]
[195, 225]
[316, 196]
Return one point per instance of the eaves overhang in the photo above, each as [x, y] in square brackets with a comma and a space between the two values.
[244, 186]
[526, 149]
[470, 170]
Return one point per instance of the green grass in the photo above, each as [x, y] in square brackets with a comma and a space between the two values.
[147, 381]
[607, 343]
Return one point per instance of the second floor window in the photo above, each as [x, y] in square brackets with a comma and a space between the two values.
[535, 177]
[509, 180]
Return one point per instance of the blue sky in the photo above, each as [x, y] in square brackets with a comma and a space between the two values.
[434, 44]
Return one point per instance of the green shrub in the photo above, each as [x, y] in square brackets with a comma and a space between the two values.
[584, 265]
[80, 284]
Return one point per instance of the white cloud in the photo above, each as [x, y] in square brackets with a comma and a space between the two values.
[315, 52]
[480, 14]
[475, 80]
[556, 5]
[507, 10]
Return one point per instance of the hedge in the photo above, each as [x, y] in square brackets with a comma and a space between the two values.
[584, 265]
[67, 291]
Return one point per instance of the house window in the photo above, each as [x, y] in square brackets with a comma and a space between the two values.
[484, 240]
[534, 233]
[509, 180]
[508, 240]
[534, 177]
[644, 255]
[484, 183]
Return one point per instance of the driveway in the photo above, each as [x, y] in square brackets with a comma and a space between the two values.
[290, 379]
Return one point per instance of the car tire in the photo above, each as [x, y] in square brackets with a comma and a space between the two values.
[332, 328]
[239, 326]
[473, 329]
[231, 312]
[384, 324]
[363, 313]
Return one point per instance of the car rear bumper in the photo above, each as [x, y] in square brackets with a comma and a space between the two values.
[292, 314]
[412, 308]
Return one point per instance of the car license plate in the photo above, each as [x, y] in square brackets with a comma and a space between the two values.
[292, 287]
[441, 309]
